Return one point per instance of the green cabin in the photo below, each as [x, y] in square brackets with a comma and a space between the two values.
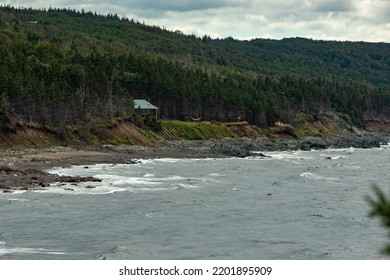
[145, 107]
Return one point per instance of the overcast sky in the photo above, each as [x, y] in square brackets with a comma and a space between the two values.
[352, 20]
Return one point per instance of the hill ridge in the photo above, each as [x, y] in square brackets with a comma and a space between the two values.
[64, 67]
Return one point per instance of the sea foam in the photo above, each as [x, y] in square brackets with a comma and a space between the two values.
[4, 250]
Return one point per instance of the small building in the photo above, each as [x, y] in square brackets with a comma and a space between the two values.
[145, 108]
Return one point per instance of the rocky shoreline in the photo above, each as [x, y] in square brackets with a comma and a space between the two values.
[24, 169]
[243, 147]
[33, 179]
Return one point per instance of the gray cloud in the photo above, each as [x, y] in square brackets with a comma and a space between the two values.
[156, 5]
[332, 5]
[178, 6]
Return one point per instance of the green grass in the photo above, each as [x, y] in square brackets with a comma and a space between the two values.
[302, 118]
[311, 129]
[197, 131]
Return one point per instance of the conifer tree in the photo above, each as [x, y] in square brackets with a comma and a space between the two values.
[380, 207]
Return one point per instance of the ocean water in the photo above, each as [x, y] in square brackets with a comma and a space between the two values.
[290, 205]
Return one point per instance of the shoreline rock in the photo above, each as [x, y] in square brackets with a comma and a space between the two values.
[244, 147]
[33, 179]
[25, 169]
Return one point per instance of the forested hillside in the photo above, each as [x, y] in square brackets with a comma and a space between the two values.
[60, 67]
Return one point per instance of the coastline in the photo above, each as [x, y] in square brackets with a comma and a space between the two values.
[24, 169]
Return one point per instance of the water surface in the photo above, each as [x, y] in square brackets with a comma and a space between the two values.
[291, 205]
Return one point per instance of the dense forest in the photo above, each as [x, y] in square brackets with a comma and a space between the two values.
[60, 67]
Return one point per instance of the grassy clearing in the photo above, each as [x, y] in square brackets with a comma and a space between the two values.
[197, 131]
[311, 129]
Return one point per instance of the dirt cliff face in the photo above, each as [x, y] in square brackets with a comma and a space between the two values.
[28, 136]
[130, 134]
[22, 136]
[125, 132]
[377, 126]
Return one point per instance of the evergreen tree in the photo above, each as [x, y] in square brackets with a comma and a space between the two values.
[380, 207]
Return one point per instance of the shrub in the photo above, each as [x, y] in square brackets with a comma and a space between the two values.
[302, 118]
[152, 123]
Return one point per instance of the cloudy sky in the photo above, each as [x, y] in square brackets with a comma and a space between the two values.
[352, 20]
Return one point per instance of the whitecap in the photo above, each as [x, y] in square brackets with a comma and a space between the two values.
[317, 177]
[216, 175]
[290, 156]
[116, 180]
[187, 186]
[145, 161]
[350, 149]
[18, 199]
[13, 192]
[20, 250]
[81, 188]
[136, 190]
[385, 146]
[85, 170]
[174, 178]
[333, 157]
[338, 157]
[163, 160]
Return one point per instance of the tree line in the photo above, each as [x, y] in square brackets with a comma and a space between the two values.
[49, 80]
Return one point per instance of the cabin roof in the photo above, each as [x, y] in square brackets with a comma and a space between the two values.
[144, 105]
